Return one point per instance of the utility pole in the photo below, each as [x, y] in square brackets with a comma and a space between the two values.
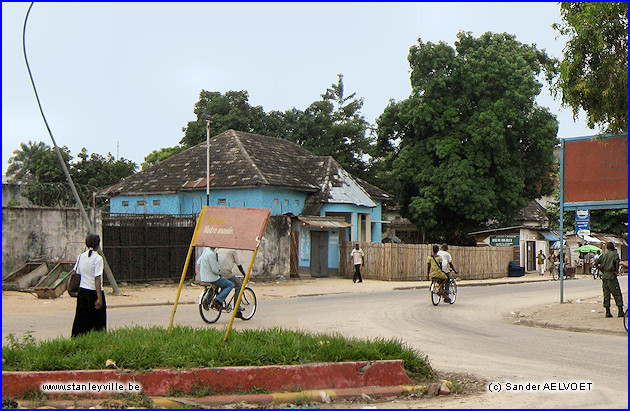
[207, 116]
[87, 221]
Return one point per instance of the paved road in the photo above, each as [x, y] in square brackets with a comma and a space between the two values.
[470, 336]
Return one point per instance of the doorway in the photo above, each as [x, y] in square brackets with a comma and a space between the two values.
[319, 253]
[531, 256]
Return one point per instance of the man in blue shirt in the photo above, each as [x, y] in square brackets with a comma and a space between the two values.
[209, 271]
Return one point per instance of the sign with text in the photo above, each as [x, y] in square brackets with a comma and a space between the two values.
[507, 240]
[239, 228]
[582, 222]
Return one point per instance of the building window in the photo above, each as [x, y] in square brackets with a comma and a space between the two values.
[275, 201]
[156, 202]
[125, 203]
[286, 202]
[297, 203]
[140, 202]
[222, 201]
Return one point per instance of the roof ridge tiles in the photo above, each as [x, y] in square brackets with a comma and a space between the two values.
[248, 157]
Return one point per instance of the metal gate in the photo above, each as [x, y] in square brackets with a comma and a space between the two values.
[146, 247]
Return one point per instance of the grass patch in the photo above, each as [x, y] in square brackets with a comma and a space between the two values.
[142, 349]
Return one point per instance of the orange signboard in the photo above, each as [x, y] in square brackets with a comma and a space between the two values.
[231, 227]
[596, 169]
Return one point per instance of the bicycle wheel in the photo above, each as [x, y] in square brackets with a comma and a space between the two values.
[625, 320]
[249, 303]
[210, 315]
[556, 274]
[435, 296]
[453, 292]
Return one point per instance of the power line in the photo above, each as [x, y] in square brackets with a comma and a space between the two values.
[108, 270]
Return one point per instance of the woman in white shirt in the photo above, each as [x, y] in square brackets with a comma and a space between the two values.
[91, 312]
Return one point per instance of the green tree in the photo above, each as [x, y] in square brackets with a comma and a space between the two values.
[98, 171]
[37, 165]
[470, 145]
[334, 126]
[226, 111]
[36, 162]
[594, 71]
[158, 155]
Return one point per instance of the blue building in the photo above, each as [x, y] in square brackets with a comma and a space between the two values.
[327, 204]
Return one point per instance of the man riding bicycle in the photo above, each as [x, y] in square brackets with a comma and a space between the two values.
[447, 260]
[434, 267]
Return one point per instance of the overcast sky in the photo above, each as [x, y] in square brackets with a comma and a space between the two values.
[123, 78]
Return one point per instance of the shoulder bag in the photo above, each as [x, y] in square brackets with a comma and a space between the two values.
[75, 281]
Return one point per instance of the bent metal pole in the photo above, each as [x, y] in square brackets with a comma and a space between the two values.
[87, 221]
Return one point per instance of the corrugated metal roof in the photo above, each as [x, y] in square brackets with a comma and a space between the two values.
[614, 240]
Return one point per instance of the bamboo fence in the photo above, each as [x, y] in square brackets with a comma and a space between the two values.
[408, 262]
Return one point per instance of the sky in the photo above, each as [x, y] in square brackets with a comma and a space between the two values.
[123, 78]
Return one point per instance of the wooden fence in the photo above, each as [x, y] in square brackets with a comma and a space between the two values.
[408, 262]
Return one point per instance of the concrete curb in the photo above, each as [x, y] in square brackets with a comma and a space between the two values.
[320, 396]
[540, 324]
[161, 383]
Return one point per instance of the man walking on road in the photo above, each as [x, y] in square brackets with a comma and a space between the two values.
[358, 258]
[608, 264]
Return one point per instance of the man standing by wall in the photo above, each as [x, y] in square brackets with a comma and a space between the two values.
[608, 264]
[358, 258]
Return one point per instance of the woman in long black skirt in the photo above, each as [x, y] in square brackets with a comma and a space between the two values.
[91, 312]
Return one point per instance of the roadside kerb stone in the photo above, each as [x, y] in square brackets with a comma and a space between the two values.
[311, 396]
[160, 383]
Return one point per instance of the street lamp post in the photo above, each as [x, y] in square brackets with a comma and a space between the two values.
[207, 116]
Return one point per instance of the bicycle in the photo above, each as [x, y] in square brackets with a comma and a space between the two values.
[596, 273]
[211, 315]
[437, 290]
[555, 272]
[625, 320]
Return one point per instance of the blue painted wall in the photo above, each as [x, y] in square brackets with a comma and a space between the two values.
[278, 200]
[333, 235]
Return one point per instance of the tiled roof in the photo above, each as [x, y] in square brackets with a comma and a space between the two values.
[239, 159]
[532, 212]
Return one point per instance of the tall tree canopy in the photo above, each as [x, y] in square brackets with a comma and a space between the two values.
[36, 164]
[470, 144]
[334, 126]
[331, 126]
[594, 70]
[225, 111]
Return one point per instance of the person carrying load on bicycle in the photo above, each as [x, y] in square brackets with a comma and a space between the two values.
[209, 271]
[228, 259]
[447, 260]
[434, 267]
[608, 263]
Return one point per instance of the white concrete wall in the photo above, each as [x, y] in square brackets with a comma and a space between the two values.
[42, 233]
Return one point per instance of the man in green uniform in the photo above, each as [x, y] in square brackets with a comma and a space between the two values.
[608, 264]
